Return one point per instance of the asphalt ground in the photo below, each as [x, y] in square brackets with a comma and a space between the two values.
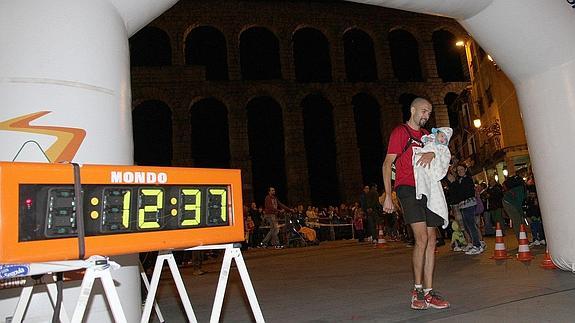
[347, 281]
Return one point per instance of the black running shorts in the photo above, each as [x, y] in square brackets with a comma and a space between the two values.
[415, 210]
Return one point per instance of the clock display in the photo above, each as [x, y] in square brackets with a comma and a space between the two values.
[49, 211]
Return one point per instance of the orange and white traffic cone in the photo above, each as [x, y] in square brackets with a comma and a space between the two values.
[380, 239]
[524, 254]
[547, 263]
[500, 252]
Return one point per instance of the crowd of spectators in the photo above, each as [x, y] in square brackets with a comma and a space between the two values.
[325, 223]
[361, 220]
[508, 204]
[477, 209]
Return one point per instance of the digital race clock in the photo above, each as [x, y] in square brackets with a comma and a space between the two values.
[125, 209]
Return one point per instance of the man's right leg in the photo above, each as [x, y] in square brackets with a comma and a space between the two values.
[414, 213]
[270, 232]
[420, 235]
[418, 259]
[274, 230]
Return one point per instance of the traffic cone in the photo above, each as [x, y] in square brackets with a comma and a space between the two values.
[547, 263]
[380, 239]
[524, 252]
[500, 252]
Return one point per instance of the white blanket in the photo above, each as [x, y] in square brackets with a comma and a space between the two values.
[428, 180]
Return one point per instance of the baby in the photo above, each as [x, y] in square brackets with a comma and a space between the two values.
[428, 179]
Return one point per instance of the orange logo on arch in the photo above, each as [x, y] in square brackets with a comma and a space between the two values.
[68, 140]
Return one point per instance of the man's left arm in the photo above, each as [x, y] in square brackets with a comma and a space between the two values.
[283, 206]
[425, 159]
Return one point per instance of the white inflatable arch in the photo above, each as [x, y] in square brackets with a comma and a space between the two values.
[65, 83]
[532, 42]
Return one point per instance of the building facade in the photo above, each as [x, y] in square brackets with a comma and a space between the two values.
[300, 95]
[491, 138]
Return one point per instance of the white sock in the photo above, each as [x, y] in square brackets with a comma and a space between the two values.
[418, 286]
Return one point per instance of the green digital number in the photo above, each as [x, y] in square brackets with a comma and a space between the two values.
[126, 209]
[191, 206]
[150, 208]
[116, 209]
[218, 204]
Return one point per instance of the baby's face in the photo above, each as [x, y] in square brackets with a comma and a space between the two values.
[441, 138]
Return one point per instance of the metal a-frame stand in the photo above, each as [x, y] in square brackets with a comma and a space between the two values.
[96, 267]
[232, 252]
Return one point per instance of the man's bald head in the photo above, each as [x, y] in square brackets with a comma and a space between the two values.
[420, 102]
[420, 111]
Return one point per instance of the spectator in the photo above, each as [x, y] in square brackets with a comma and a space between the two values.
[494, 194]
[373, 212]
[271, 211]
[513, 199]
[368, 223]
[311, 214]
[463, 193]
[358, 224]
[256, 215]
[533, 213]
[457, 237]
[249, 227]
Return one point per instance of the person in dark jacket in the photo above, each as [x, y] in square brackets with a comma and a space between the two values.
[464, 195]
[373, 211]
[494, 194]
[513, 198]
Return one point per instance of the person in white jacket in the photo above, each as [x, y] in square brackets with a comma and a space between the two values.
[428, 179]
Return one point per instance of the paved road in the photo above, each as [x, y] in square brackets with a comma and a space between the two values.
[344, 281]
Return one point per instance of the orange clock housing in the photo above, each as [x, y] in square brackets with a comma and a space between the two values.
[143, 191]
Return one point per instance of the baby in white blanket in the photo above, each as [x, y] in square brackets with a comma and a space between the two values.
[428, 179]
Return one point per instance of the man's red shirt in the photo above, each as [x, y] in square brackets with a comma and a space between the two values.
[403, 163]
[272, 205]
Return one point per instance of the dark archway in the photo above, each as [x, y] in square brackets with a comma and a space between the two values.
[320, 147]
[366, 112]
[405, 56]
[447, 57]
[152, 127]
[210, 134]
[266, 138]
[360, 65]
[259, 55]
[150, 47]
[311, 56]
[206, 46]
[452, 112]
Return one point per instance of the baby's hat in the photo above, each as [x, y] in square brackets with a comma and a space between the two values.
[446, 130]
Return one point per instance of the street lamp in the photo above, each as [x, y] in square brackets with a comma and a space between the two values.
[477, 123]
